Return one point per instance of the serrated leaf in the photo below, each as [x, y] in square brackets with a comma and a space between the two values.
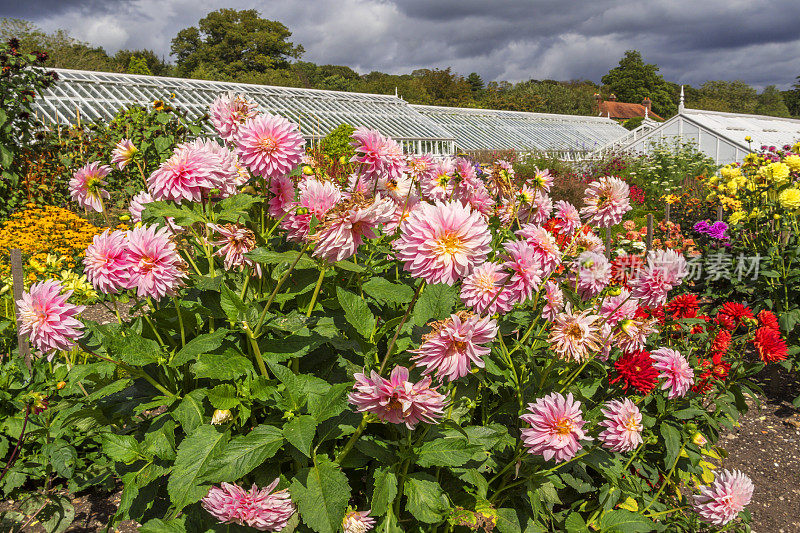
[672, 443]
[189, 413]
[231, 303]
[202, 344]
[629, 504]
[508, 521]
[196, 453]
[223, 367]
[426, 500]
[223, 397]
[63, 457]
[269, 257]
[575, 523]
[244, 453]
[445, 452]
[133, 349]
[622, 521]
[156, 525]
[386, 292]
[435, 303]
[122, 448]
[321, 493]
[330, 404]
[384, 490]
[356, 312]
[300, 433]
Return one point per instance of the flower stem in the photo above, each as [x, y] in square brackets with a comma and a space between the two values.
[666, 481]
[276, 289]
[256, 350]
[353, 438]
[316, 292]
[180, 321]
[400, 327]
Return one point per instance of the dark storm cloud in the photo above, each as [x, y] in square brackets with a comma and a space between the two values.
[691, 40]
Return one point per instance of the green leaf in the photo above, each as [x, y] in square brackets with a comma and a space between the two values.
[133, 349]
[202, 448]
[330, 404]
[269, 257]
[384, 490]
[156, 525]
[231, 304]
[426, 500]
[300, 433]
[575, 524]
[234, 207]
[321, 493]
[55, 513]
[386, 292]
[223, 397]
[672, 442]
[356, 312]
[202, 344]
[244, 453]
[63, 457]
[508, 521]
[349, 266]
[122, 448]
[223, 367]
[189, 413]
[435, 303]
[622, 521]
[445, 452]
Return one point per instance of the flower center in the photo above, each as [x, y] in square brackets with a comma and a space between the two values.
[146, 264]
[450, 244]
[268, 145]
[564, 426]
[631, 424]
[574, 331]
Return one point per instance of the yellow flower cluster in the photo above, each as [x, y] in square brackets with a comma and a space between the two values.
[43, 231]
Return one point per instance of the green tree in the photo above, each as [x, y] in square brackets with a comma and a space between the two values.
[633, 80]
[155, 64]
[475, 82]
[138, 65]
[731, 96]
[233, 42]
[770, 102]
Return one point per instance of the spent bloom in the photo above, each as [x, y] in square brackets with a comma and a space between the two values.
[86, 186]
[721, 501]
[483, 290]
[454, 344]
[556, 427]
[107, 262]
[347, 224]
[269, 145]
[675, 370]
[263, 509]
[357, 522]
[156, 268]
[235, 242]
[398, 400]
[606, 201]
[623, 423]
[229, 111]
[443, 243]
[123, 153]
[47, 318]
[574, 336]
[378, 156]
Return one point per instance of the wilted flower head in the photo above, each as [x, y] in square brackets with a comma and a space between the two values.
[574, 336]
[221, 416]
[47, 318]
[725, 498]
[156, 268]
[357, 522]
[377, 156]
[107, 262]
[607, 200]
[675, 370]
[229, 111]
[454, 344]
[269, 145]
[556, 427]
[236, 241]
[123, 153]
[397, 400]
[623, 423]
[86, 186]
[443, 243]
[263, 509]
[347, 224]
[483, 290]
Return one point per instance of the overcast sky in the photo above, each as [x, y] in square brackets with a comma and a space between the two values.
[691, 40]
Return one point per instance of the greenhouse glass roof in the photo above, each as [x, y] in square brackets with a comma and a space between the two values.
[99, 95]
[488, 129]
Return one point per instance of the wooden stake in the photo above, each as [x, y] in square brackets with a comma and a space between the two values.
[608, 243]
[719, 213]
[18, 279]
[649, 231]
[666, 212]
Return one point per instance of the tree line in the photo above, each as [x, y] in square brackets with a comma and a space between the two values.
[241, 46]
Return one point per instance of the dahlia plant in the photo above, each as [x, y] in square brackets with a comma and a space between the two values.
[426, 345]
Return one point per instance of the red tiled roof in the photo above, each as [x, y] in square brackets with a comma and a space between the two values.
[621, 110]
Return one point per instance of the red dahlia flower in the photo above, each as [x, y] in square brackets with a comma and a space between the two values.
[767, 319]
[636, 370]
[771, 347]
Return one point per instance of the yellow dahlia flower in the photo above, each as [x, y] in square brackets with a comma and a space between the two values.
[790, 199]
[776, 172]
[793, 162]
[736, 217]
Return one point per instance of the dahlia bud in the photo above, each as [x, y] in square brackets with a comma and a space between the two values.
[342, 160]
[302, 211]
[38, 402]
[614, 291]
[307, 170]
[124, 218]
[221, 416]
[249, 190]
[626, 325]
[699, 439]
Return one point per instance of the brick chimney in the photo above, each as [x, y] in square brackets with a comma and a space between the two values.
[647, 103]
[598, 99]
[612, 97]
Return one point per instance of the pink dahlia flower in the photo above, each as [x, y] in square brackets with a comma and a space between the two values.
[86, 186]
[443, 243]
[594, 274]
[421, 167]
[357, 522]
[438, 184]
[269, 145]
[575, 336]
[107, 262]
[401, 212]
[614, 309]
[675, 370]
[720, 502]
[554, 301]
[544, 244]
[479, 199]
[229, 111]
[376, 155]
[606, 201]
[123, 153]
[567, 217]
[282, 200]
[138, 204]
[483, 290]
[316, 198]
[665, 270]
[47, 318]
[535, 207]
[188, 175]
[263, 509]
[236, 241]
[556, 427]
[226, 168]
[634, 334]
[623, 423]
[525, 264]
[542, 180]
[156, 268]
[454, 344]
[398, 400]
[346, 226]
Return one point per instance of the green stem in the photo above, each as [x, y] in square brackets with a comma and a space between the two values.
[400, 327]
[316, 291]
[256, 350]
[180, 321]
[274, 293]
[666, 481]
[353, 438]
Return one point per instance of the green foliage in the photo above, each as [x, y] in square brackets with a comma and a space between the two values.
[336, 144]
[633, 123]
[633, 80]
[138, 65]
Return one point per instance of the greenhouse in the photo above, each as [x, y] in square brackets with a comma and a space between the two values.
[568, 136]
[83, 95]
